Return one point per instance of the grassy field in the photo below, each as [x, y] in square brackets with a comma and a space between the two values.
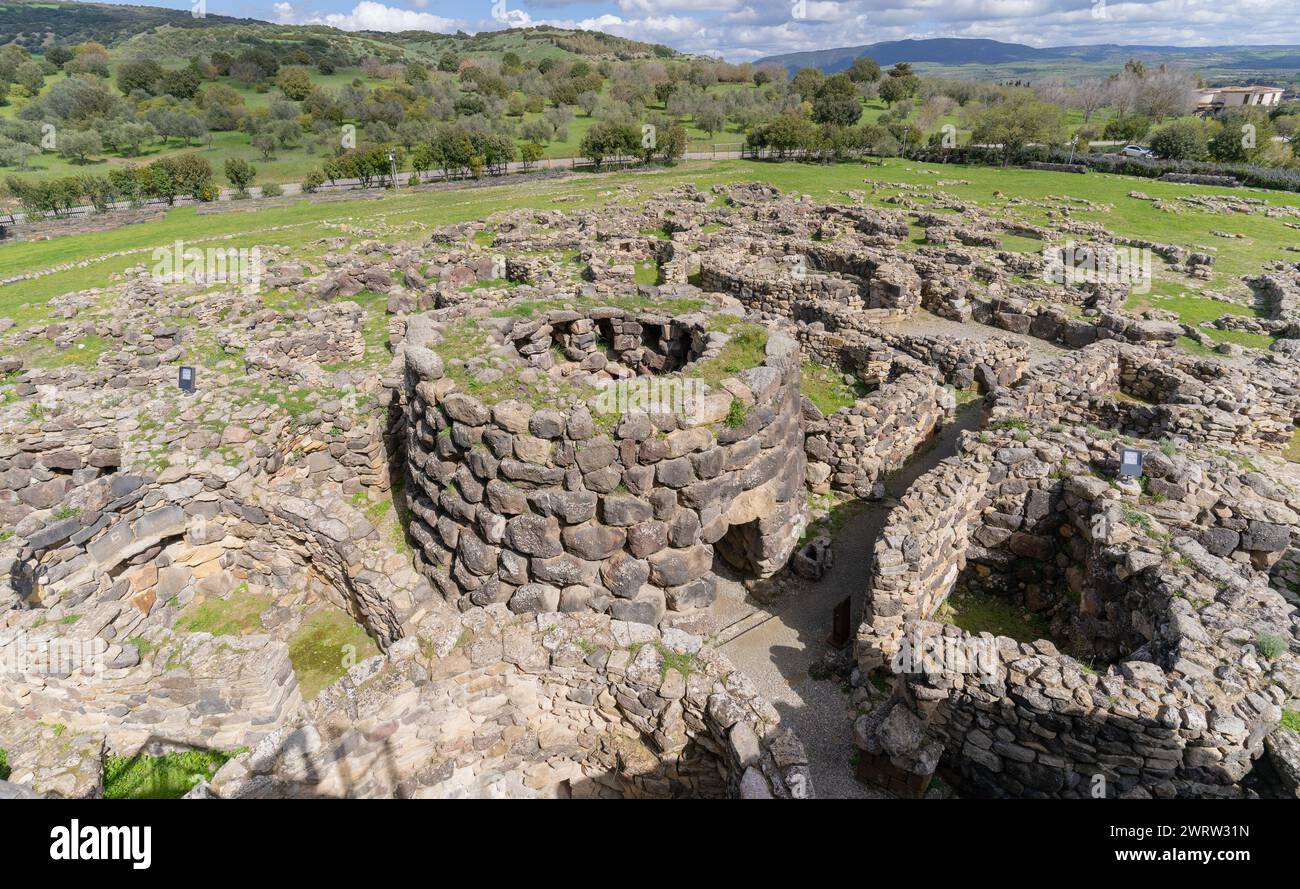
[410, 214]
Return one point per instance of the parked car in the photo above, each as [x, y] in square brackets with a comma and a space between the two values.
[1137, 151]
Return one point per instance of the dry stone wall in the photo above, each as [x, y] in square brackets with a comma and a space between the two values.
[493, 704]
[1156, 395]
[918, 556]
[545, 510]
[854, 447]
[1196, 684]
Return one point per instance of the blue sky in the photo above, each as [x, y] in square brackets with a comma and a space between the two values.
[742, 30]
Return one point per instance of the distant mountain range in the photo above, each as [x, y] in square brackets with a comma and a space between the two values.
[995, 58]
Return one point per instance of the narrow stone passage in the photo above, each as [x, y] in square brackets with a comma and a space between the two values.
[777, 648]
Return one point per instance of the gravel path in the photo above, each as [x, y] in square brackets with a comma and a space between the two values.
[779, 644]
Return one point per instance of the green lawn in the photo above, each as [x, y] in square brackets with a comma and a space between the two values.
[299, 223]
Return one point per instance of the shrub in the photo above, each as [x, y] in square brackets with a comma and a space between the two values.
[1127, 128]
[240, 173]
[1270, 646]
[313, 181]
[1182, 140]
[737, 413]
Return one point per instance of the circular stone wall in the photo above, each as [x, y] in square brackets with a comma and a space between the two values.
[594, 459]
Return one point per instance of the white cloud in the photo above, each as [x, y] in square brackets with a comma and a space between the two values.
[369, 15]
[743, 30]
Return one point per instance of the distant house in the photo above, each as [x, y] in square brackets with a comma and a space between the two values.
[1215, 99]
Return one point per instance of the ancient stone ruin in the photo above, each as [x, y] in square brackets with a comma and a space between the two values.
[602, 504]
[533, 476]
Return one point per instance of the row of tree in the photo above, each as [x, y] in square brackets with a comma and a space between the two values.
[169, 178]
[793, 135]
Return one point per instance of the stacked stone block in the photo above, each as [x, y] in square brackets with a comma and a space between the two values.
[552, 705]
[546, 510]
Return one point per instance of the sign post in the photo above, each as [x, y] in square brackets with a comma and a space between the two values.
[1130, 463]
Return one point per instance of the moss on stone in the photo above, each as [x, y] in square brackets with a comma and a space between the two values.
[327, 645]
[237, 615]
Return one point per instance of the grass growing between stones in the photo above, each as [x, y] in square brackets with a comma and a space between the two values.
[325, 647]
[388, 514]
[981, 613]
[4, 764]
[169, 776]
[237, 615]
[1192, 347]
[374, 332]
[747, 348]
[297, 223]
[1195, 310]
[1121, 395]
[647, 272]
[466, 339]
[491, 284]
[826, 388]
[1292, 451]
[684, 663]
[40, 352]
[529, 308]
[1290, 721]
[835, 514]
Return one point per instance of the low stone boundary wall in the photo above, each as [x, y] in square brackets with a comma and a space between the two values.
[1201, 179]
[1056, 168]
